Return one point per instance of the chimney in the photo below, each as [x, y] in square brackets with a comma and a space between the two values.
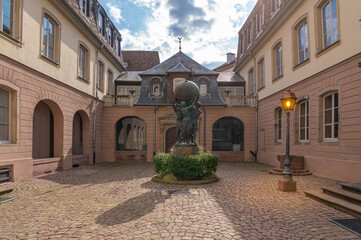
[230, 57]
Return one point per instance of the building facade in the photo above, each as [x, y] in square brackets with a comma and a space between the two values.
[312, 48]
[57, 61]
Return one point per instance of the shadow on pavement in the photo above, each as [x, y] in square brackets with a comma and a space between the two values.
[132, 209]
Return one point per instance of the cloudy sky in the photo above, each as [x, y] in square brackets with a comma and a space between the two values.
[208, 27]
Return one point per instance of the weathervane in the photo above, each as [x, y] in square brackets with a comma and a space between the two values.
[180, 43]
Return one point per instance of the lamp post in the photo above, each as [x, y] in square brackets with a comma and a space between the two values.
[288, 101]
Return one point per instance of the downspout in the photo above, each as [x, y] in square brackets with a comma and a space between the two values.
[256, 104]
[155, 129]
[204, 128]
[95, 90]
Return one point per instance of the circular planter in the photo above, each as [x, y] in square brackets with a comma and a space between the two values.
[213, 179]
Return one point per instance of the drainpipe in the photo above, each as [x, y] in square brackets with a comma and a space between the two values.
[155, 129]
[256, 103]
[204, 128]
[95, 90]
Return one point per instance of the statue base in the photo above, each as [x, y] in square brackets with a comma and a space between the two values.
[185, 149]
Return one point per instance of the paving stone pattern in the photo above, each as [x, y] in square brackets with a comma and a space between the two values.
[118, 201]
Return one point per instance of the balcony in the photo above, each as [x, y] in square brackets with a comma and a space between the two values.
[129, 100]
[241, 101]
[123, 100]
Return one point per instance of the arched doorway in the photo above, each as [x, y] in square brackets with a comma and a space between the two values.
[77, 145]
[81, 139]
[227, 135]
[170, 138]
[43, 131]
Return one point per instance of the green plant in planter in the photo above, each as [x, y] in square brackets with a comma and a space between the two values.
[194, 167]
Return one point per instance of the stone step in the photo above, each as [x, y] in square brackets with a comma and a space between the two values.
[343, 194]
[335, 202]
[293, 171]
[5, 190]
[297, 173]
[352, 187]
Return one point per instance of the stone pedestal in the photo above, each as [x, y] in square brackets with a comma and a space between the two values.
[287, 186]
[185, 149]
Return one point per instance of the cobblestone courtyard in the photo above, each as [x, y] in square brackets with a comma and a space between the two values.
[118, 201]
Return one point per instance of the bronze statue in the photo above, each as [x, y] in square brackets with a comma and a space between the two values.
[186, 106]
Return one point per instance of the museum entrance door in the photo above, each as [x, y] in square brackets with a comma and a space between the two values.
[170, 138]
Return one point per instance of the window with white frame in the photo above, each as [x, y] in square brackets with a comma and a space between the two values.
[110, 81]
[83, 62]
[118, 46]
[277, 62]
[111, 35]
[261, 73]
[84, 6]
[7, 16]
[101, 24]
[100, 82]
[156, 89]
[330, 117]
[5, 116]
[278, 124]
[302, 37]
[304, 121]
[251, 82]
[329, 23]
[49, 37]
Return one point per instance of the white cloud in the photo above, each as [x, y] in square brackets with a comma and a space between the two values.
[206, 46]
[115, 12]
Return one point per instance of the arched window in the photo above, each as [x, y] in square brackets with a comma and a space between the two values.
[227, 135]
[155, 87]
[204, 87]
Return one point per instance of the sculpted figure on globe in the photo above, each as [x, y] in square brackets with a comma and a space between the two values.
[186, 106]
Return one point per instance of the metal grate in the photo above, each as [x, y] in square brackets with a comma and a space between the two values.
[352, 225]
[4, 200]
[5, 175]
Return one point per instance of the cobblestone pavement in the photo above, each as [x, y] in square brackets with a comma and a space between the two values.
[118, 201]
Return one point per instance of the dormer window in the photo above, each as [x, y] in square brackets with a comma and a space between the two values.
[204, 87]
[111, 36]
[155, 87]
[118, 46]
[84, 6]
[101, 24]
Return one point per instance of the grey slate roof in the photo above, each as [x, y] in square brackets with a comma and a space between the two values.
[129, 76]
[180, 68]
[188, 63]
[230, 77]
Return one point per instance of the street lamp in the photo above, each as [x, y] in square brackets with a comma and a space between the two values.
[288, 101]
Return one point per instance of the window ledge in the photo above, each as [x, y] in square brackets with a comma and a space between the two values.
[277, 78]
[306, 142]
[7, 144]
[261, 88]
[56, 64]
[274, 13]
[320, 52]
[100, 89]
[84, 80]
[11, 39]
[298, 65]
[330, 142]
